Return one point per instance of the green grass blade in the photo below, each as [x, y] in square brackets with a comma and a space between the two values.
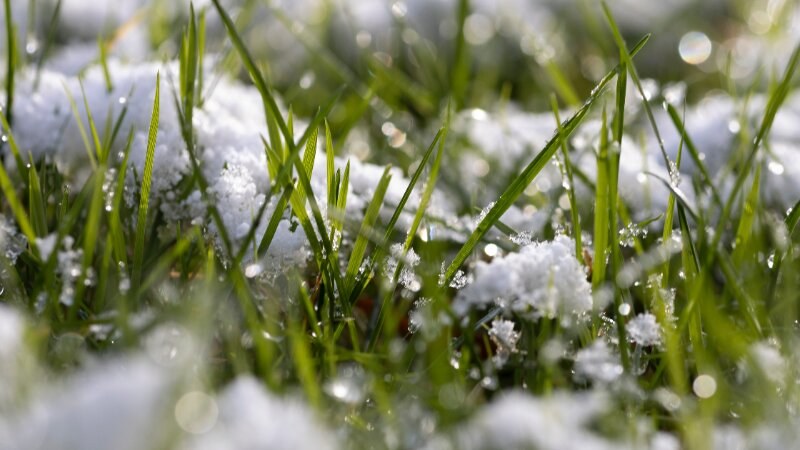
[36, 203]
[144, 195]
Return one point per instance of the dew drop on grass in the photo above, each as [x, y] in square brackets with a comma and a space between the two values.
[704, 386]
[624, 309]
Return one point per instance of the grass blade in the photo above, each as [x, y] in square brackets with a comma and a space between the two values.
[144, 194]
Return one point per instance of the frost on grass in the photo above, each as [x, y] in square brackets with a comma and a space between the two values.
[541, 280]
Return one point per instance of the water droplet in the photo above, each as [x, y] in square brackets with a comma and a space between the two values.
[491, 250]
[775, 167]
[478, 29]
[196, 412]
[695, 47]
[771, 260]
[122, 100]
[32, 46]
[704, 386]
[624, 309]
[363, 38]
[734, 126]
[307, 80]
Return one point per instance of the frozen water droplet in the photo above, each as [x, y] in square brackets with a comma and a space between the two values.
[624, 309]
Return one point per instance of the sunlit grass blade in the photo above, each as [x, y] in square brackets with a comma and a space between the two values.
[530, 172]
[144, 193]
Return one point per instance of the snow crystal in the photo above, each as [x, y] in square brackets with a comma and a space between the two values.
[505, 339]
[644, 330]
[597, 363]
[542, 280]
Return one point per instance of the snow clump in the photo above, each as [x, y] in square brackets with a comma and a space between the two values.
[543, 280]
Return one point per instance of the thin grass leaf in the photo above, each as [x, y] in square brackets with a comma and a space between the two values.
[103, 50]
[360, 247]
[36, 203]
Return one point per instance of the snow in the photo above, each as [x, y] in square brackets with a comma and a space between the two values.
[597, 363]
[252, 418]
[518, 420]
[542, 280]
[644, 330]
